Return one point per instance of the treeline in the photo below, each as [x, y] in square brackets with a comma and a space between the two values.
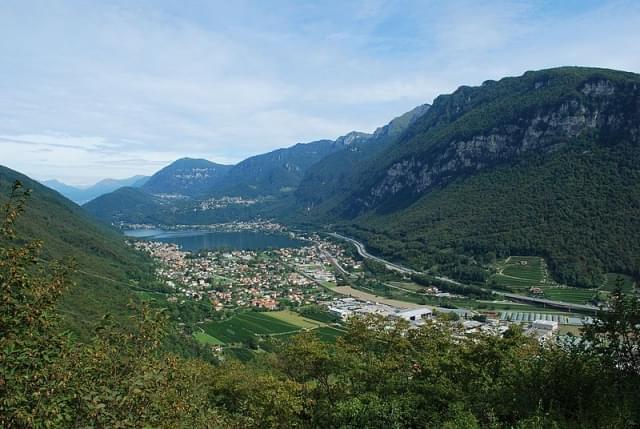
[376, 376]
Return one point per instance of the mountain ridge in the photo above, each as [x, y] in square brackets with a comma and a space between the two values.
[186, 176]
[474, 133]
[107, 263]
[83, 195]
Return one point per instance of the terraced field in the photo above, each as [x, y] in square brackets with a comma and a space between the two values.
[611, 281]
[521, 272]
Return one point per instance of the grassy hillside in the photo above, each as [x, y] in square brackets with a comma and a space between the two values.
[105, 264]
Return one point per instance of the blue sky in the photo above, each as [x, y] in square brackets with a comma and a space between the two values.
[95, 89]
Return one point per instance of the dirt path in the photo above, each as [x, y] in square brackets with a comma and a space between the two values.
[355, 293]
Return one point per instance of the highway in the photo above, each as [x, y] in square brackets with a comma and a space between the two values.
[362, 251]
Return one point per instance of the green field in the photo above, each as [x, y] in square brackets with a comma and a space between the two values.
[204, 338]
[326, 334]
[574, 295]
[412, 286]
[246, 326]
[295, 319]
[611, 279]
[521, 272]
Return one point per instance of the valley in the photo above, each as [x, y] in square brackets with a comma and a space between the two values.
[247, 298]
[467, 259]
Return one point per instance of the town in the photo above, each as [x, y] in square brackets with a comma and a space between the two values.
[244, 278]
[320, 273]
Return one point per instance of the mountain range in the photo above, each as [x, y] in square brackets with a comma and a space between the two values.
[543, 164]
[269, 180]
[83, 195]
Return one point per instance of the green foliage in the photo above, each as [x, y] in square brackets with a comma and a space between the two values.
[319, 313]
[488, 171]
[615, 334]
[106, 265]
[376, 374]
[593, 189]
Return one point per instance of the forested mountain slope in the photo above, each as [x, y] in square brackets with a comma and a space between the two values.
[546, 163]
[333, 175]
[106, 265]
[279, 172]
[186, 176]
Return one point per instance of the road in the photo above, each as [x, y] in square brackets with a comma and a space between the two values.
[362, 251]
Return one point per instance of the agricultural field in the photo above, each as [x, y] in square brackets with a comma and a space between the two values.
[327, 334]
[294, 318]
[570, 294]
[611, 280]
[244, 327]
[249, 326]
[521, 272]
[204, 338]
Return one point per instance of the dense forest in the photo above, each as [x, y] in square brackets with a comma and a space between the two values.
[543, 164]
[577, 207]
[377, 376]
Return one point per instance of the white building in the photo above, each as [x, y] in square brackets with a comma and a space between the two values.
[545, 325]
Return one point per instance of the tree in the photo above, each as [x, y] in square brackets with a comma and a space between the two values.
[34, 379]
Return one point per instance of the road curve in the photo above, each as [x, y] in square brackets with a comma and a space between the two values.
[362, 251]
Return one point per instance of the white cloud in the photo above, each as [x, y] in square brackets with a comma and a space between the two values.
[119, 88]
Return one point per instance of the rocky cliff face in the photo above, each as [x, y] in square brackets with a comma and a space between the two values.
[335, 175]
[597, 107]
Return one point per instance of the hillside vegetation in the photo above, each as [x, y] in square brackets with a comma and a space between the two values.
[376, 375]
[106, 265]
[543, 164]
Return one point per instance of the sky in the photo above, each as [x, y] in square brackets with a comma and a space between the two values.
[97, 89]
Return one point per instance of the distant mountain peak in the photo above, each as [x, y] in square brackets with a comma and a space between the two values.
[187, 176]
[104, 186]
[352, 137]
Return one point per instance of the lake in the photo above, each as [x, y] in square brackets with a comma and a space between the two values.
[198, 240]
